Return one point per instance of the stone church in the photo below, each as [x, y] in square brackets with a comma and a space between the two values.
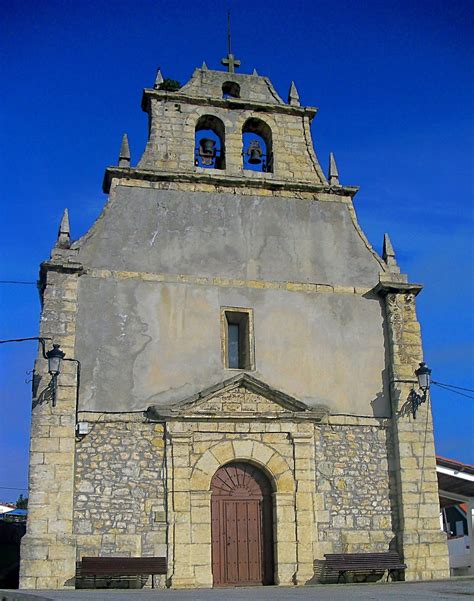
[235, 390]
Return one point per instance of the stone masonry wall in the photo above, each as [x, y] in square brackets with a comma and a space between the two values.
[47, 549]
[420, 541]
[119, 504]
[353, 490]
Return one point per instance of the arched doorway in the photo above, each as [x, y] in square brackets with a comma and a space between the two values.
[242, 526]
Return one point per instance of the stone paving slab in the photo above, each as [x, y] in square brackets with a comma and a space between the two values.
[449, 590]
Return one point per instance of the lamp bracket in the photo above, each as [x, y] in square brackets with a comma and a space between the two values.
[43, 346]
[417, 400]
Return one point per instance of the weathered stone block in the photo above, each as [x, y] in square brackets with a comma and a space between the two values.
[35, 552]
[36, 568]
[201, 533]
[208, 463]
[201, 515]
[223, 452]
[286, 553]
[277, 465]
[45, 445]
[262, 453]
[243, 448]
[356, 537]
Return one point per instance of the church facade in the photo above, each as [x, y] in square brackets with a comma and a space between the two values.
[235, 391]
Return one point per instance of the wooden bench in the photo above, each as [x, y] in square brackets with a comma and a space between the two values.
[118, 567]
[364, 563]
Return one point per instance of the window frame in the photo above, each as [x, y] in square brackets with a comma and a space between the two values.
[241, 316]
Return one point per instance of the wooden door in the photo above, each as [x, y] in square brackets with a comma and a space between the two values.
[242, 542]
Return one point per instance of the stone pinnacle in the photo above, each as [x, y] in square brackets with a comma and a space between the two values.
[64, 233]
[124, 156]
[388, 254]
[293, 96]
[255, 72]
[204, 66]
[387, 248]
[333, 172]
[159, 78]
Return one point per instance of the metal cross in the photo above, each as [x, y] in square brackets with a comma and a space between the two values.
[230, 61]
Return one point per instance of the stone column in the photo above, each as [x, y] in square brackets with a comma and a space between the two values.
[48, 551]
[303, 449]
[179, 478]
[413, 465]
[284, 535]
[201, 558]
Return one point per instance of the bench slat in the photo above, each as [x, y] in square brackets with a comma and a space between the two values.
[363, 562]
[126, 566]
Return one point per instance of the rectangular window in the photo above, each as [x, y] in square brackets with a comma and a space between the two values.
[237, 338]
[235, 359]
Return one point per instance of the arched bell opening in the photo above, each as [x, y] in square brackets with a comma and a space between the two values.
[230, 89]
[209, 151]
[242, 526]
[257, 152]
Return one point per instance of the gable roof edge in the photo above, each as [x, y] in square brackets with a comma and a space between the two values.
[240, 380]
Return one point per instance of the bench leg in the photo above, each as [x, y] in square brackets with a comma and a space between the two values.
[392, 574]
[342, 574]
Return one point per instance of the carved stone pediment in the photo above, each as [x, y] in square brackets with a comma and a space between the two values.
[241, 397]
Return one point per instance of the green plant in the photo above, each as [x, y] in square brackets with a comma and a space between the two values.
[22, 503]
[170, 85]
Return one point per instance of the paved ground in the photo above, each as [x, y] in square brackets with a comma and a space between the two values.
[452, 590]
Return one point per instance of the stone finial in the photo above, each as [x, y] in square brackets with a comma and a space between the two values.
[204, 66]
[293, 96]
[255, 72]
[388, 255]
[333, 172]
[64, 233]
[159, 78]
[124, 156]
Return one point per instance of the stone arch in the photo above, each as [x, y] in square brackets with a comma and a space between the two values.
[257, 145]
[211, 153]
[261, 455]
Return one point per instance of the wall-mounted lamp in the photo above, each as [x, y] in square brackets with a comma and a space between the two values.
[423, 373]
[54, 357]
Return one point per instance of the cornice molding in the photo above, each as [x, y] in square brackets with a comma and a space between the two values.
[226, 181]
[384, 288]
[234, 103]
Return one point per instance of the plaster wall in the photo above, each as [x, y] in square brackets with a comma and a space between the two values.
[161, 263]
[155, 343]
[229, 235]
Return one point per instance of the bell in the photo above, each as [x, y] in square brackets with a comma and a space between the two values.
[254, 156]
[207, 147]
[255, 153]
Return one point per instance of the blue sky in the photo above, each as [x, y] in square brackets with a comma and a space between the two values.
[394, 84]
